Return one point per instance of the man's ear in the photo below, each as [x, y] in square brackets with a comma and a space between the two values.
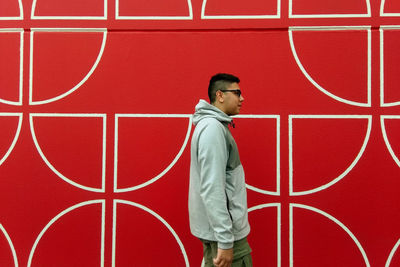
[219, 96]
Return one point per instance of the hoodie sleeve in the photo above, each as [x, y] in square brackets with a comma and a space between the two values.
[212, 160]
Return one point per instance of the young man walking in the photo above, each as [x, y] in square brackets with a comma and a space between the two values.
[217, 192]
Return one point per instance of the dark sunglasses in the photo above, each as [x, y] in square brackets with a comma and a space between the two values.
[235, 91]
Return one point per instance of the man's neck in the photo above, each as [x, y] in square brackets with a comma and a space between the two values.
[219, 106]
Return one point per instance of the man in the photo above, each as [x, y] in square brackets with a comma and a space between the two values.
[217, 191]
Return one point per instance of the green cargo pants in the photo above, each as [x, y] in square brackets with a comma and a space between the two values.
[241, 253]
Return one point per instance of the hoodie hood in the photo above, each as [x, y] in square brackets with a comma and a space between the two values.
[205, 110]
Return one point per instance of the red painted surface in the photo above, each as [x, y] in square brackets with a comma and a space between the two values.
[95, 118]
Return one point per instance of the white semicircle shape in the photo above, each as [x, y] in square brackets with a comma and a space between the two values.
[154, 214]
[21, 10]
[162, 173]
[104, 17]
[17, 132]
[266, 16]
[52, 221]
[392, 252]
[10, 243]
[21, 67]
[343, 174]
[59, 174]
[386, 139]
[21, 13]
[368, 14]
[330, 217]
[277, 192]
[308, 76]
[279, 226]
[155, 17]
[386, 14]
[382, 66]
[382, 9]
[73, 89]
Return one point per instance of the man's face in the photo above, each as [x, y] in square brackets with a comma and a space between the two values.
[232, 102]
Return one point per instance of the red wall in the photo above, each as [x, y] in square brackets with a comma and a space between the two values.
[96, 100]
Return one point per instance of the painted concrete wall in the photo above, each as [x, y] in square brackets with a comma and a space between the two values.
[96, 98]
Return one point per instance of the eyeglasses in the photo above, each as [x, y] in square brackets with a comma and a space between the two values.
[235, 91]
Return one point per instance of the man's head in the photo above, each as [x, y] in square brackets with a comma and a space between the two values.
[225, 94]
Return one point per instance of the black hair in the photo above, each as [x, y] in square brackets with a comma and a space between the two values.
[220, 81]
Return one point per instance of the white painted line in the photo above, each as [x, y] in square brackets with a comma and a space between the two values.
[73, 115]
[394, 249]
[16, 136]
[343, 174]
[365, 15]
[157, 216]
[308, 76]
[278, 164]
[21, 65]
[152, 180]
[382, 67]
[279, 226]
[384, 14]
[330, 217]
[10, 243]
[70, 91]
[217, 17]
[386, 139]
[33, 16]
[77, 206]
[189, 17]
[11, 30]
[21, 13]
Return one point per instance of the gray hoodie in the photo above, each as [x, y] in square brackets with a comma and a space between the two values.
[217, 191]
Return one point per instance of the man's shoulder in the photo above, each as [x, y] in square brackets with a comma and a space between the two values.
[210, 127]
[209, 121]
[210, 124]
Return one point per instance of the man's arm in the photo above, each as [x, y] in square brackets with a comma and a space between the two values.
[212, 158]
